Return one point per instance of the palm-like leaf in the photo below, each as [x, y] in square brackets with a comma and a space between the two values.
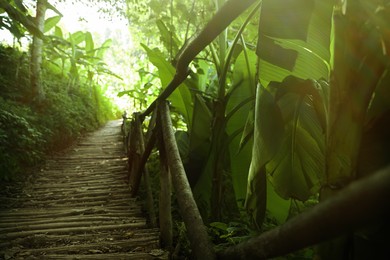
[289, 145]
[181, 98]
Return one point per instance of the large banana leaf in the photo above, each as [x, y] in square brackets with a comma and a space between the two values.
[296, 45]
[199, 143]
[294, 39]
[181, 98]
[298, 165]
[238, 109]
[268, 136]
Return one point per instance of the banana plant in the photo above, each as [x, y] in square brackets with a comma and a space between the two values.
[288, 160]
[16, 18]
[215, 110]
[317, 93]
[286, 136]
[76, 54]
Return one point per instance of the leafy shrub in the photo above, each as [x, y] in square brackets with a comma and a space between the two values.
[21, 144]
[27, 131]
[14, 80]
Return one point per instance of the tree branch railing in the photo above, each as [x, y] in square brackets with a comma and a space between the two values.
[162, 135]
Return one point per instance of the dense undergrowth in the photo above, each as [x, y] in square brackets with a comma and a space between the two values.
[28, 131]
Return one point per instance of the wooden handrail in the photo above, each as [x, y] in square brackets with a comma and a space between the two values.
[138, 154]
[197, 233]
[172, 168]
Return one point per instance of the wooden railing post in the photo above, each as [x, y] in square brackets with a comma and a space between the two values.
[138, 156]
[165, 207]
[135, 152]
[197, 233]
[150, 142]
[147, 181]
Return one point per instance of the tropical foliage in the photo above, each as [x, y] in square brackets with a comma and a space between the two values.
[282, 122]
[73, 103]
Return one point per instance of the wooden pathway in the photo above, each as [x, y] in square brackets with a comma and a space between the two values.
[78, 207]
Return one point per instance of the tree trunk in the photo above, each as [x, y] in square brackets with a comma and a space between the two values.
[38, 93]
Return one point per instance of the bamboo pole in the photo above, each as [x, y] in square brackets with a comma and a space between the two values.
[196, 230]
[362, 203]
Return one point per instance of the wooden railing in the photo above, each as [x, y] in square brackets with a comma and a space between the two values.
[160, 134]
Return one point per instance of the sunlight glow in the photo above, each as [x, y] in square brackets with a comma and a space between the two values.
[77, 17]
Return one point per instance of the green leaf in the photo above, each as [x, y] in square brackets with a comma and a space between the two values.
[243, 86]
[199, 133]
[77, 37]
[247, 133]
[21, 18]
[277, 207]
[168, 37]
[58, 32]
[125, 92]
[51, 22]
[256, 194]
[302, 51]
[89, 45]
[269, 125]
[268, 133]
[276, 16]
[181, 98]
[316, 90]
[201, 124]
[219, 225]
[103, 48]
[240, 101]
[182, 140]
[51, 7]
[101, 69]
[296, 167]
[203, 74]
[240, 160]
